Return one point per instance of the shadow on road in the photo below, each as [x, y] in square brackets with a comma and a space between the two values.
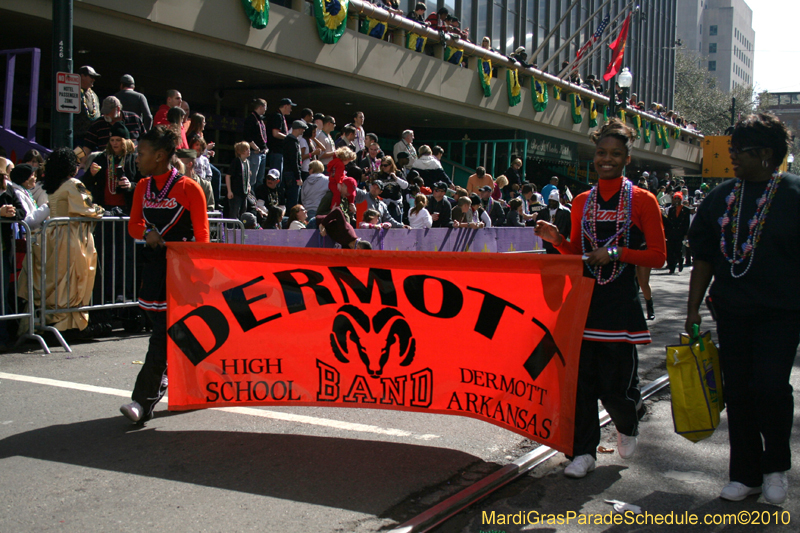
[360, 475]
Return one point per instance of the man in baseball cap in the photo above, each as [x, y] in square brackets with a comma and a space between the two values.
[90, 104]
[133, 101]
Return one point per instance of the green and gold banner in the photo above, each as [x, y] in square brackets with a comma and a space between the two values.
[485, 75]
[373, 27]
[556, 92]
[514, 88]
[592, 113]
[664, 137]
[539, 95]
[331, 18]
[576, 104]
[646, 131]
[453, 55]
[258, 12]
[415, 41]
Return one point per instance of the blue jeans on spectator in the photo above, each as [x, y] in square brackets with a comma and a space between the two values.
[258, 166]
[216, 183]
[276, 161]
[292, 189]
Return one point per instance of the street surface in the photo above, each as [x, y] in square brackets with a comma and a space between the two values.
[71, 462]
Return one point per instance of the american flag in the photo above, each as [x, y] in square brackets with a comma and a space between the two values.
[596, 37]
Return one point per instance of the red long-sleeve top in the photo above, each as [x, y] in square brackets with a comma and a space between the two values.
[645, 214]
[186, 192]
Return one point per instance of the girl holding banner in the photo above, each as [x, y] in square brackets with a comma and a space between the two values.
[167, 207]
[610, 223]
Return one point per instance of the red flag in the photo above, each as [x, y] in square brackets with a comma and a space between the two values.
[618, 49]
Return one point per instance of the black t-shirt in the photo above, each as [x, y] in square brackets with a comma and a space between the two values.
[276, 122]
[772, 283]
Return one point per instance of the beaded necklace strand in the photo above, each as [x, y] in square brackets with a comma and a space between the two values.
[732, 216]
[158, 196]
[623, 225]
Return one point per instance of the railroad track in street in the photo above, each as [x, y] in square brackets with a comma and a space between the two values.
[451, 506]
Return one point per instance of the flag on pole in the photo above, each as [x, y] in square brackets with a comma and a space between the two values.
[617, 51]
[596, 37]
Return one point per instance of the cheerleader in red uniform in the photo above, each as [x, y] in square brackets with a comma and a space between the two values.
[167, 207]
[610, 224]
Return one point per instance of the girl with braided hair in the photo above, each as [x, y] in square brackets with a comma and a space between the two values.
[610, 223]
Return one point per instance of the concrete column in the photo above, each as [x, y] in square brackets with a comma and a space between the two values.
[399, 36]
[298, 5]
[352, 21]
[438, 51]
[472, 62]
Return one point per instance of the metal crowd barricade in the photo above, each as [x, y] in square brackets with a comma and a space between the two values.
[116, 282]
[11, 308]
[226, 230]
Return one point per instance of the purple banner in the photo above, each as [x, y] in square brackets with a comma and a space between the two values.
[420, 240]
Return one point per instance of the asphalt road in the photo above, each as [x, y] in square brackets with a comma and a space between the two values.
[71, 462]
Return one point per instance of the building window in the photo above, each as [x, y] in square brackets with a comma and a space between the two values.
[712, 48]
[712, 65]
[712, 30]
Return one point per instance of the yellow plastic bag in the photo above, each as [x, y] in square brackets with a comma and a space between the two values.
[696, 386]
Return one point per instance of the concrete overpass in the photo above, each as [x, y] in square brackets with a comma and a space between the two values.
[208, 50]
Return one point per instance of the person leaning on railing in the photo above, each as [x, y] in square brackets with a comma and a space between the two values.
[71, 262]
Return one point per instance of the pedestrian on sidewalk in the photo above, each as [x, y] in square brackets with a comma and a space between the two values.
[746, 237]
[167, 207]
[610, 223]
[676, 226]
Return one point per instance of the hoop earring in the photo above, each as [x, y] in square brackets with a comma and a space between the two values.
[765, 163]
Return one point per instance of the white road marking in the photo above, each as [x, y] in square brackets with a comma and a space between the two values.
[275, 415]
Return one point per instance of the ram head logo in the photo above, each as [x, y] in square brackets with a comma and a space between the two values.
[373, 341]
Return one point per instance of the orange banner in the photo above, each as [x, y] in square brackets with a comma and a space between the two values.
[493, 337]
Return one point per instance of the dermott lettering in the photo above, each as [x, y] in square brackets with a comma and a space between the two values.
[377, 276]
[187, 341]
[293, 289]
[514, 386]
[251, 391]
[452, 299]
[240, 305]
[491, 312]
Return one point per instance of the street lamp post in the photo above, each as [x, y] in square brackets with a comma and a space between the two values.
[625, 80]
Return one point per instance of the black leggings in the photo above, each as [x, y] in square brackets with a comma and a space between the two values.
[151, 383]
[608, 371]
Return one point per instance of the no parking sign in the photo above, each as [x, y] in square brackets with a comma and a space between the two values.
[68, 93]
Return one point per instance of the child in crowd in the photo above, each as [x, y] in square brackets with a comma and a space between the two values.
[238, 181]
[419, 217]
[336, 173]
[371, 220]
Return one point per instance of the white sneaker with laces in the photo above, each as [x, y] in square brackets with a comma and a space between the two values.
[580, 466]
[133, 411]
[775, 487]
[736, 492]
[626, 445]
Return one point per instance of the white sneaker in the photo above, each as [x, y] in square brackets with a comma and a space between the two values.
[580, 466]
[626, 445]
[736, 492]
[133, 411]
[775, 487]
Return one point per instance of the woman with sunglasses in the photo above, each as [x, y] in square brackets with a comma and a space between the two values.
[746, 238]
[393, 187]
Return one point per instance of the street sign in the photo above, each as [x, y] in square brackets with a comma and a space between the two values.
[68, 93]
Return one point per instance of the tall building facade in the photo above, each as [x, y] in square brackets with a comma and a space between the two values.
[721, 31]
[649, 54]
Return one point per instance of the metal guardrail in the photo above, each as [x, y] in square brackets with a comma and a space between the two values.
[115, 283]
[10, 300]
